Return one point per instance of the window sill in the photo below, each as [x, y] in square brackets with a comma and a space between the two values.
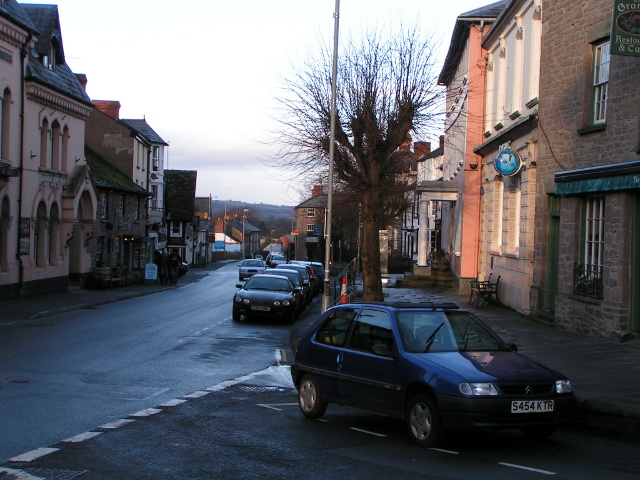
[592, 129]
[585, 299]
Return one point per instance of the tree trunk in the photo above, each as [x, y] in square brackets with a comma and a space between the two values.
[371, 275]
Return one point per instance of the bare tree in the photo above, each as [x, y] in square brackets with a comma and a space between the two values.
[387, 91]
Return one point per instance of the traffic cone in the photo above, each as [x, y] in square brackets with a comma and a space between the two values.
[343, 291]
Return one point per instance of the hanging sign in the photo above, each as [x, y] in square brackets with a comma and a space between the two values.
[625, 28]
[508, 162]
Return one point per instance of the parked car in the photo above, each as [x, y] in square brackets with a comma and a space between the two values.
[306, 278]
[248, 268]
[265, 296]
[436, 367]
[301, 289]
[274, 259]
[183, 268]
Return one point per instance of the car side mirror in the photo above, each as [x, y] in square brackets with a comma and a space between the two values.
[383, 350]
[239, 285]
[513, 347]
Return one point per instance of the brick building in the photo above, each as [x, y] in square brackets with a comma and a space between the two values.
[586, 263]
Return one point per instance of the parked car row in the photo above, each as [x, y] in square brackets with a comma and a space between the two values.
[279, 292]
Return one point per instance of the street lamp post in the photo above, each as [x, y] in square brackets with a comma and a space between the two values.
[334, 76]
[244, 243]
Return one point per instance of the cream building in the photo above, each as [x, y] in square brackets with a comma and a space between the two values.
[510, 151]
[47, 200]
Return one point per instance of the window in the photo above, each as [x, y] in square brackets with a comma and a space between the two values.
[600, 82]
[372, 328]
[5, 131]
[335, 330]
[155, 158]
[311, 212]
[154, 197]
[103, 206]
[310, 229]
[588, 274]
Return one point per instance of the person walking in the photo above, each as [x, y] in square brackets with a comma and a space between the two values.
[164, 268]
[174, 263]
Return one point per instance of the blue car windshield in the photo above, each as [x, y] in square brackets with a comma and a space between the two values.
[272, 283]
[437, 331]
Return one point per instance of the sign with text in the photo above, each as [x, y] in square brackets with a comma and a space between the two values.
[625, 28]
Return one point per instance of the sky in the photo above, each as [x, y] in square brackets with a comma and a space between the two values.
[205, 73]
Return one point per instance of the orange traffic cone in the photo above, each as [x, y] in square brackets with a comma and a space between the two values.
[343, 291]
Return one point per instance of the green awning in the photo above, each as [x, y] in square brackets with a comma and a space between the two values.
[606, 184]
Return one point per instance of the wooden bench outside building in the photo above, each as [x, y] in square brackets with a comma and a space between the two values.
[485, 291]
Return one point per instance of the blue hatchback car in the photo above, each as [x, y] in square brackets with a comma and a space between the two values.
[435, 366]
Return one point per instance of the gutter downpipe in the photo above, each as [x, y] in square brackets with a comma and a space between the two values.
[23, 55]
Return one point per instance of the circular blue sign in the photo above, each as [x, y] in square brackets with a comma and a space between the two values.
[508, 162]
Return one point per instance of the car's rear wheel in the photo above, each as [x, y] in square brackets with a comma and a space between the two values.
[310, 400]
[538, 433]
[423, 421]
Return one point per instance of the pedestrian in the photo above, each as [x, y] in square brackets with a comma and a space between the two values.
[164, 268]
[174, 263]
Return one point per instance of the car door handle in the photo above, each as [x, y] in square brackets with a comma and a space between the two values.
[339, 358]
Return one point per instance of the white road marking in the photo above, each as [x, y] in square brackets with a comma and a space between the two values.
[445, 451]
[522, 467]
[367, 432]
[274, 406]
[198, 394]
[117, 424]
[82, 437]
[18, 474]
[33, 454]
[146, 413]
[172, 403]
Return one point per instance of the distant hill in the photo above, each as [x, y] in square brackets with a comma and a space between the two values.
[257, 211]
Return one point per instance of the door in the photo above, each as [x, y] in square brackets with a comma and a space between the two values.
[368, 380]
[635, 265]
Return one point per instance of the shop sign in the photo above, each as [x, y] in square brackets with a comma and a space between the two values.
[507, 162]
[625, 28]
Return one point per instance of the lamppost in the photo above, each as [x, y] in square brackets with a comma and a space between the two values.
[244, 244]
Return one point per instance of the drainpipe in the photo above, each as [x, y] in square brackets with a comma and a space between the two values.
[23, 56]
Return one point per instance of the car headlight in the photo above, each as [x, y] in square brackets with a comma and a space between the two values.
[238, 300]
[563, 386]
[478, 389]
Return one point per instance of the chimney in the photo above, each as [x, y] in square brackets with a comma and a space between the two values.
[441, 141]
[108, 107]
[421, 149]
[82, 78]
[317, 190]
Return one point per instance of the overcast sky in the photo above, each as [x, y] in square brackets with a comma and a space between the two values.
[204, 73]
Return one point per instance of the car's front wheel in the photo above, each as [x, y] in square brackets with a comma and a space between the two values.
[310, 400]
[423, 421]
[235, 315]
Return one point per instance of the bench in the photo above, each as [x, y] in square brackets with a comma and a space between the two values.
[485, 291]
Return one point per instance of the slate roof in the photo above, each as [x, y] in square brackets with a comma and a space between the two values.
[248, 228]
[317, 201]
[107, 177]
[12, 10]
[144, 129]
[46, 21]
[460, 34]
[180, 194]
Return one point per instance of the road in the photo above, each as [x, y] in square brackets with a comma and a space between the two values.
[169, 387]
[73, 372]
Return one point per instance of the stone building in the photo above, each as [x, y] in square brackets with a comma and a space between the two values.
[309, 223]
[586, 263]
[47, 199]
[180, 212]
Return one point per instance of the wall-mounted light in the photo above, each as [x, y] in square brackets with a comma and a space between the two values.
[473, 166]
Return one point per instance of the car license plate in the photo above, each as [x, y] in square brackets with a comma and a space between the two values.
[262, 309]
[532, 406]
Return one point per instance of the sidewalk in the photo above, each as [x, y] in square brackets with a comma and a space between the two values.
[604, 374]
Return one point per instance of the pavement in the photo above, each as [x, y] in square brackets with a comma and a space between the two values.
[605, 375]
